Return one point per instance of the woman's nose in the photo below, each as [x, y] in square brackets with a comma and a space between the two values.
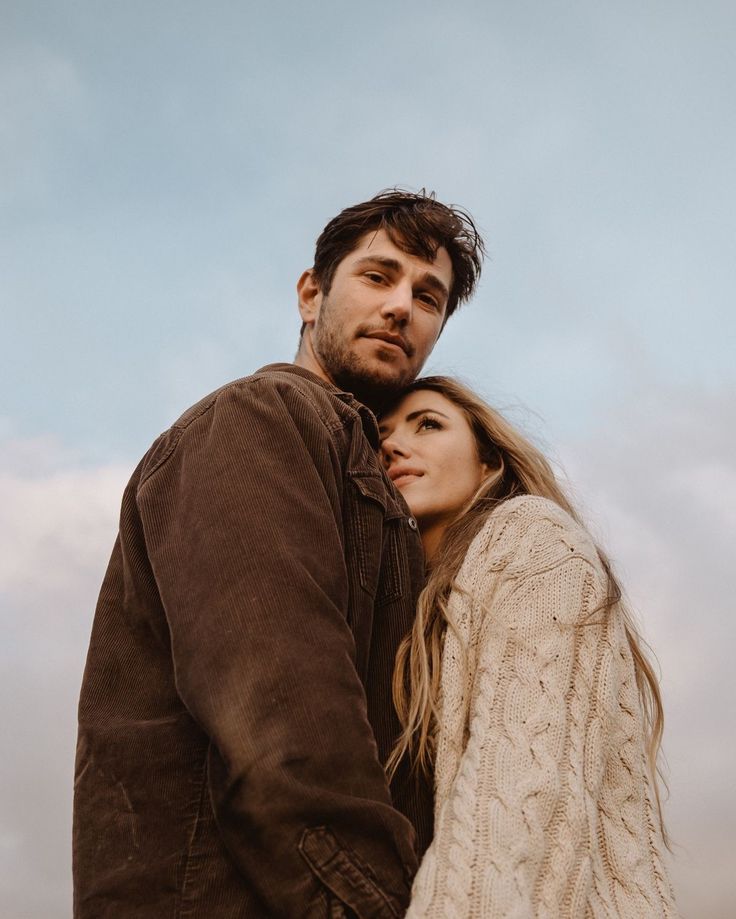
[392, 449]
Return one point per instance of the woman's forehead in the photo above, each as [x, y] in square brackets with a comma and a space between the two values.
[424, 398]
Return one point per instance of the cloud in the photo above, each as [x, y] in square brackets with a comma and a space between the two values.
[57, 526]
[658, 484]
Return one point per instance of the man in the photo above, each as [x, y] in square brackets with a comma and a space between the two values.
[236, 704]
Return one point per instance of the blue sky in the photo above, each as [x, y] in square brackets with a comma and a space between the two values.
[165, 168]
[169, 166]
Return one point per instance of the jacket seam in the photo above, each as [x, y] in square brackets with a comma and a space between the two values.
[181, 909]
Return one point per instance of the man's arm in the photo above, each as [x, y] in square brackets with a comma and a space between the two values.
[244, 531]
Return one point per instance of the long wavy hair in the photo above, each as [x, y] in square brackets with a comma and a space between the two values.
[518, 468]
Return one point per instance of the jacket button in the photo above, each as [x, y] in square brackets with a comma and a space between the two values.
[412, 522]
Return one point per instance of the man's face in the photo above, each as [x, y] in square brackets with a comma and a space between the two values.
[375, 329]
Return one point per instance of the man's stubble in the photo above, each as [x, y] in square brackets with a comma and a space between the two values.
[347, 369]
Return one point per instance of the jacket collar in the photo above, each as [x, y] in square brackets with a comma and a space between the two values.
[370, 425]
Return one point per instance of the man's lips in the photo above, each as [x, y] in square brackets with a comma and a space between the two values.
[391, 338]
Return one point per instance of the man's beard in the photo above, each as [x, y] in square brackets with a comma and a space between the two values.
[348, 370]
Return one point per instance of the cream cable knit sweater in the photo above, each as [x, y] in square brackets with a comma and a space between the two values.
[543, 803]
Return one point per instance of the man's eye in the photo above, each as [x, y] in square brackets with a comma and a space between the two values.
[429, 300]
[375, 276]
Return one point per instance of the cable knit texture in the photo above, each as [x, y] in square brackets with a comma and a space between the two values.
[543, 804]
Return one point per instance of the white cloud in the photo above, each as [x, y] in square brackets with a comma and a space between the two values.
[57, 526]
[658, 483]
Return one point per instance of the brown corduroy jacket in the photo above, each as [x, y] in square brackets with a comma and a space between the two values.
[236, 705]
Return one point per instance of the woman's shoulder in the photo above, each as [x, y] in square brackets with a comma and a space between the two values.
[531, 531]
[531, 541]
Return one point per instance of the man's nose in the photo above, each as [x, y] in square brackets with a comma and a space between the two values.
[398, 303]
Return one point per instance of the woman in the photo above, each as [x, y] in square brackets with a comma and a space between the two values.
[524, 682]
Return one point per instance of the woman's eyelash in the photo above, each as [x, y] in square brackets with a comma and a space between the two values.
[428, 422]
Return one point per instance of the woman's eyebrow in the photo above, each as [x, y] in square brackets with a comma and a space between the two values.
[424, 411]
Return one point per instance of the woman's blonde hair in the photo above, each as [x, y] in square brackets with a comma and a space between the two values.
[518, 468]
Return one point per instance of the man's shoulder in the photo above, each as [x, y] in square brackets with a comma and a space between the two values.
[277, 382]
[267, 396]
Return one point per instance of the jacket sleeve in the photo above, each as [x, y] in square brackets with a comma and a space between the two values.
[244, 531]
[510, 829]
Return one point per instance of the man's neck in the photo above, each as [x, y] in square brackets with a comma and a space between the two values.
[306, 358]
[369, 394]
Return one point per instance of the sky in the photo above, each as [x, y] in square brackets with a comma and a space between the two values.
[165, 168]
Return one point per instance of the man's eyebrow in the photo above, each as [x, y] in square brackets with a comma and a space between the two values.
[431, 280]
[391, 264]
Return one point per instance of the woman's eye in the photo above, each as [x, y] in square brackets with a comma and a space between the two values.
[429, 424]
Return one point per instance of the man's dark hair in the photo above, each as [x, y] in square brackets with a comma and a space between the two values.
[415, 222]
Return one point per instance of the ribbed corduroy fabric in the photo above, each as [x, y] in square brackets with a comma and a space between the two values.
[544, 806]
[236, 708]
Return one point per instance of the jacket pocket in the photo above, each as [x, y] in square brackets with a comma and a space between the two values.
[345, 875]
[378, 541]
[365, 509]
[393, 581]
[326, 906]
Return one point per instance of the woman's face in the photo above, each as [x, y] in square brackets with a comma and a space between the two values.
[430, 453]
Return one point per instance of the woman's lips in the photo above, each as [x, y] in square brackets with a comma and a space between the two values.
[402, 476]
[405, 479]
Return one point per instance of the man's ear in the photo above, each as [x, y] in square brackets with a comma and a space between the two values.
[310, 296]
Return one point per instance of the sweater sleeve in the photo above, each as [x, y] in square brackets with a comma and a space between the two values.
[513, 824]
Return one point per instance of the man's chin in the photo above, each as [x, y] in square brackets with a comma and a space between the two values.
[374, 387]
